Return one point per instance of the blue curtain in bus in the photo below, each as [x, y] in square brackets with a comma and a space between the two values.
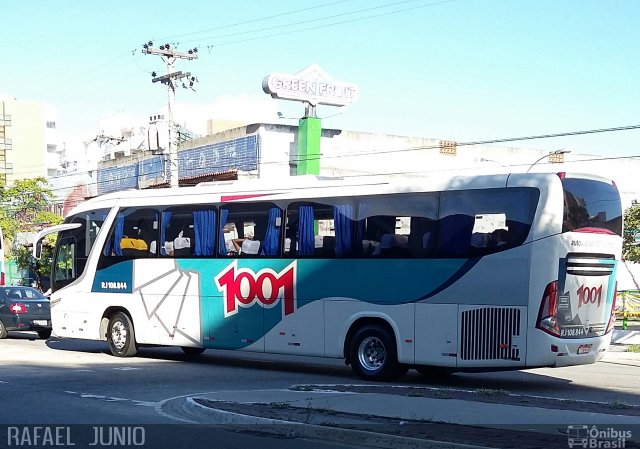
[306, 243]
[222, 245]
[359, 237]
[166, 221]
[271, 244]
[118, 233]
[204, 226]
[343, 226]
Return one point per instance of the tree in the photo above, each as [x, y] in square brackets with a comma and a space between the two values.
[26, 208]
[40, 268]
[630, 249]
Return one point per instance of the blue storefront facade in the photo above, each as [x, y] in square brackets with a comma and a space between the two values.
[240, 154]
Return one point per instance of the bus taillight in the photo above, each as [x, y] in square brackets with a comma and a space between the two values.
[548, 314]
[612, 318]
[2, 278]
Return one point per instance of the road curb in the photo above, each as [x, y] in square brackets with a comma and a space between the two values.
[302, 430]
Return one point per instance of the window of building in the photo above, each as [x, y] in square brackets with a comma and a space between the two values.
[52, 148]
[6, 143]
[51, 125]
[52, 172]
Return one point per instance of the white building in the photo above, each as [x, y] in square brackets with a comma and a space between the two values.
[266, 150]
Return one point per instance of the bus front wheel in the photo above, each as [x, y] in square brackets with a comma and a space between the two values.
[373, 354]
[121, 337]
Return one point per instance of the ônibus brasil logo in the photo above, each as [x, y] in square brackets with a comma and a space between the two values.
[244, 288]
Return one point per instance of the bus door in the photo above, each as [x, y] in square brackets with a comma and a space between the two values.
[233, 313]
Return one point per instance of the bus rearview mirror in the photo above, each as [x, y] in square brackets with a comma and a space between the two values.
[37, 249]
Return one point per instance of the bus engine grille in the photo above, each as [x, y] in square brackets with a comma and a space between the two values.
[487, 334]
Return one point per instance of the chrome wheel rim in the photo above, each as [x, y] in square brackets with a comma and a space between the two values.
[118, 335]
[372, 353]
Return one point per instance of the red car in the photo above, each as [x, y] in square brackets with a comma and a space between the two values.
[24, 309]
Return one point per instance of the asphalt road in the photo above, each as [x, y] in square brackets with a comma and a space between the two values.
[75, 382]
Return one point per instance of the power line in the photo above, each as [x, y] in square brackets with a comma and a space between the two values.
[260, 19]
[357, 19]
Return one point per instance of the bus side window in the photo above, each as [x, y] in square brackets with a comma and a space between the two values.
[319, 229]
[188, 231]
[398, 225]
[480, 222]
[133, 235]
[250, 230]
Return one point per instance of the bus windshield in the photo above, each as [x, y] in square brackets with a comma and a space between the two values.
[591, 206]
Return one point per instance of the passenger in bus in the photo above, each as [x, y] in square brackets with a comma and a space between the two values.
[237, 243]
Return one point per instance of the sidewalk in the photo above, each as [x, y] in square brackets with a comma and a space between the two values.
[625, 337]
[403, 418]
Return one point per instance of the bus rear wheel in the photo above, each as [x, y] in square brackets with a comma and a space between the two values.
[120, 335]
[373, 354]
[3, 331]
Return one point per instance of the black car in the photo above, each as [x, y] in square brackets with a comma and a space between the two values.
[24, 309]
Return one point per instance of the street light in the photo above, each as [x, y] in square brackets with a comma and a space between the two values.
[483, 159]
[552, 153]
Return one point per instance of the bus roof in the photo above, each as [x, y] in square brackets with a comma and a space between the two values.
[306, 186]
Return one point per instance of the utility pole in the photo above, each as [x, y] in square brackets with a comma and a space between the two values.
[169, 56]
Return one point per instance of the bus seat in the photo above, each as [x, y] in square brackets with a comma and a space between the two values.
[369, 246]
[328, 245]
[454, 233]
[427, 243]
[182, 246]
[250, 247]
[287, 245]
[479, 240]
[392, 244]
[132, 247]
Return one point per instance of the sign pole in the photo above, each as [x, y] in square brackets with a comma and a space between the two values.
[313, 86]
[309, 133]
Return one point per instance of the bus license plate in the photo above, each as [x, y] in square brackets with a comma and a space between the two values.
[584, 349]
[46, 323]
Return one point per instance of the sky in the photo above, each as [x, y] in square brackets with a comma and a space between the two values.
[462, 70]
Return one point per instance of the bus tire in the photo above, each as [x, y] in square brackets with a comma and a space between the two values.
[373, 354]
[3, 331]
[44, 334]
[120, 335]
[190, 350]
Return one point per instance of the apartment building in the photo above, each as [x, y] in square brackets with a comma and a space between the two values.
[29, 140]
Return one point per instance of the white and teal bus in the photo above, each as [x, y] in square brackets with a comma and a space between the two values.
[505, 271]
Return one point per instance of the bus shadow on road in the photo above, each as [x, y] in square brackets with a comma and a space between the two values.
[545, 382]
